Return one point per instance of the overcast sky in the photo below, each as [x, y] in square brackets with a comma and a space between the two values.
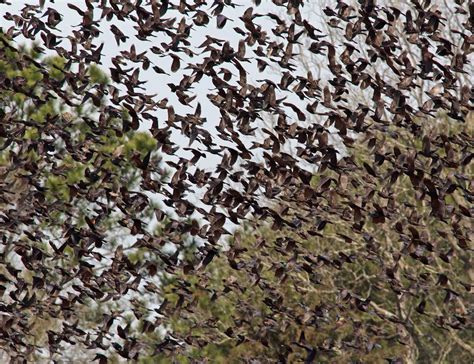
[157, 83]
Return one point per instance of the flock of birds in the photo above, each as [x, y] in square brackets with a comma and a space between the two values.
[239, 188]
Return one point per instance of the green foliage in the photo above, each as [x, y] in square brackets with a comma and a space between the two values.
[291, 290]
[75, 161]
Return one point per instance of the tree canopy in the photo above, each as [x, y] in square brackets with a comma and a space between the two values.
[292, 193]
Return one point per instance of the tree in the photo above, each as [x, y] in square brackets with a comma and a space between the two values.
[274, 287]
[49, 154]
[353, 245]
[316, 291]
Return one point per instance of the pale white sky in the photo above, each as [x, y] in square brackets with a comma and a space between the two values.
[157, 83]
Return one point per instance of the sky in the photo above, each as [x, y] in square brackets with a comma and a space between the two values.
[158, 84]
